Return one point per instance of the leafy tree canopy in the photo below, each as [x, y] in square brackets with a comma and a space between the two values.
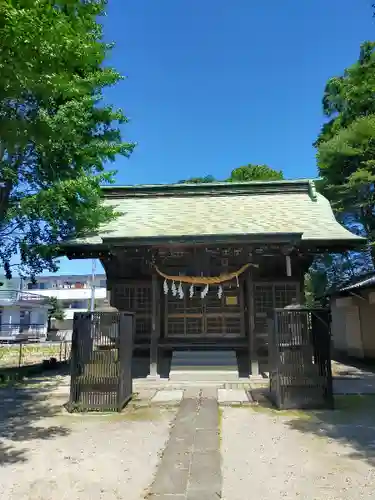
[198, 180]
[255, 173]
[246, 173]
[56, 134]
[55, 309]
[346, 162]
[346, 144]
[349, 96]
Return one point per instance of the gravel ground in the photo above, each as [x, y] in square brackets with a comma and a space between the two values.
[326, 457]
[46, 454]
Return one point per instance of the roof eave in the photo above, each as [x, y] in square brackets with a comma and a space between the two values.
[206, 239]
[70, 248]
[217, 189]
[337, 245]
[295, 239]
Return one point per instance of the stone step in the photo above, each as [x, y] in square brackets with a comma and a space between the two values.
[181, 385]
[204, 362]
[203, 366]
[201, 377]
[204, 358]
[201, 354]
[224, 383]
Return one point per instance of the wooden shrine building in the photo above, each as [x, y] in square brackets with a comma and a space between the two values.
[203, 266]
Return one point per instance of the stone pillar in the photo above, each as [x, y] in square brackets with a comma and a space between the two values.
[155, 329]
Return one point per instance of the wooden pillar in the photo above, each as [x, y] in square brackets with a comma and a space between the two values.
[288, 263]
[155, 328]
[253, 358]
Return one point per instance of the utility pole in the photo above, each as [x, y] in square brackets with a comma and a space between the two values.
[93, 269]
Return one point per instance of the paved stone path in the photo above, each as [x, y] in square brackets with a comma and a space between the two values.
[190, 468]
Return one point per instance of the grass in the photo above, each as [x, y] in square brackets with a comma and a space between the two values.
[25, 360]
[10, 383]
[15, 375]
[355, 403]
[303, 414]
[144, 413]
[129, 414]
[220, 426]
[26, 354]
[346, 406]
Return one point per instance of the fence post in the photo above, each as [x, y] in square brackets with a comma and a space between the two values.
[20, 356]
[60, 355]
[65, 356]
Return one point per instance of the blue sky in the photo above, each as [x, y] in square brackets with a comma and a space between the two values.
[214, 84]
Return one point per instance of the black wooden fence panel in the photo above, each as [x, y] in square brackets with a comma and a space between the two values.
[300, 361]
[102, 349]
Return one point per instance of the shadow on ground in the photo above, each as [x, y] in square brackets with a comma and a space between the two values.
[364, 365]
[24, 413]
[352, 423]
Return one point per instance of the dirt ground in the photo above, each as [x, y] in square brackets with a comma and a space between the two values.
[47, 454]
[327, 455]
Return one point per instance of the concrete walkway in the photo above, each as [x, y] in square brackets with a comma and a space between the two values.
[349, 379]
[191, 465]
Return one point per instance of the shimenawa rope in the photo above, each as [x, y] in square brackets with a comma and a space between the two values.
[205, 280]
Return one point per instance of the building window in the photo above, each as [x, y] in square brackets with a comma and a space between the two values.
[38, 286]
[103, 283]
[76, 304]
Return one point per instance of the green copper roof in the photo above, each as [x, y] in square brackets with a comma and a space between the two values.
[220, 209]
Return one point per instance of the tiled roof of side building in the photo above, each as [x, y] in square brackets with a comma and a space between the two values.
[361, 283]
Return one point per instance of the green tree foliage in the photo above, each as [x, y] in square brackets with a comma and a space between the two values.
[255, 173]
[347, 165]
[331, 271]
[349, 96]
[246, 173]
[56, 134]
[198, 180]
[310, 290]
[346, 144]
[55, 309]
[346, 162]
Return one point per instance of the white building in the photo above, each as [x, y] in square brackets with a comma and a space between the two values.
[23, 316]
[73, 293]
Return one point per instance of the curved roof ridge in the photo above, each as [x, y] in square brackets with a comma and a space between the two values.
[214, 188]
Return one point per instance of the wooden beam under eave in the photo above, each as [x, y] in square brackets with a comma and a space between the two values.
[314, 247]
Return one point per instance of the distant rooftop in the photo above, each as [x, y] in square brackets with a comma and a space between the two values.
[78, 277]
[361, 283]
[17, 297]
